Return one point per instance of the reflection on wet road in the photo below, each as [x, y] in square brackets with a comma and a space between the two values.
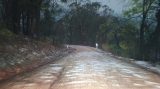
[88, 68]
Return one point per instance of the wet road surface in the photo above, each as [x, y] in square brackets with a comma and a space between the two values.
[87, 68]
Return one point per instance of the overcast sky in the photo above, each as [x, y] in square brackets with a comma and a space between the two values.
[117, 5]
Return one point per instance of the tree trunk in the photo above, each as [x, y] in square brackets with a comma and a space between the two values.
[142, 27]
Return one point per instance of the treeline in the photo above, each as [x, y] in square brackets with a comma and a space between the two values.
[28, 17]
[21, 16]
[135, 35]
[147, 14]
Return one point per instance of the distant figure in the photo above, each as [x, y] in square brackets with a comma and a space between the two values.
[67, 46]
[96, 45]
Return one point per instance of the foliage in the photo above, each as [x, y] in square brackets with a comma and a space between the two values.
[5, 34]
[144, 12]
[121, 36]
[81, 21]
[84, 22]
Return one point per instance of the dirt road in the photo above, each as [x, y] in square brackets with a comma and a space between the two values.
[87, 68]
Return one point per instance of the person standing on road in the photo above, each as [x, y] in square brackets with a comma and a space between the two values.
[96, 45]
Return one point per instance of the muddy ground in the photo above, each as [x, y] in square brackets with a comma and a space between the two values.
[86, 68]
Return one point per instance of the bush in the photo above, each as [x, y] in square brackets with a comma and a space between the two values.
[5, 33]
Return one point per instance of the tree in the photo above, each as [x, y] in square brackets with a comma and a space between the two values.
[141, 8]
[155, 37]
[81, 21]
[25, 16]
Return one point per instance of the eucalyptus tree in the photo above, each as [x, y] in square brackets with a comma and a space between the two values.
[83, 23]
[155, 37]
[21, 15]
[143, 9]
[1, 11]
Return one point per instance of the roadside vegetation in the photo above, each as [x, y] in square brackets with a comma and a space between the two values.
[20, 54]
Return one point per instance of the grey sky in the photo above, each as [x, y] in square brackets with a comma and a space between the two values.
[117, 5]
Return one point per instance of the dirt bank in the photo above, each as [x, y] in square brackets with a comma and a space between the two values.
[20, 54]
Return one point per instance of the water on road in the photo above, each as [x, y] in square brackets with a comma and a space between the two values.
[87, 68]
